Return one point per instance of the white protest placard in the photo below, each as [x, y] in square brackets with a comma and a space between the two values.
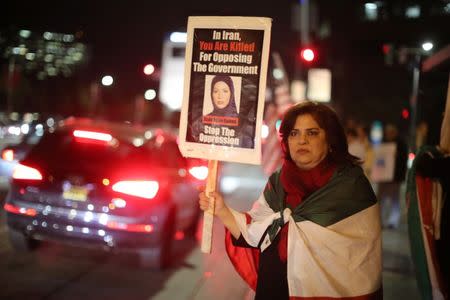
[319, 85]
[384, 163]
[224, 88]
[223, 96]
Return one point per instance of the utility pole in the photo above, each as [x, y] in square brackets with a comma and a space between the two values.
[301, 22]
[414, 55]
[413, 102]
[304, 22]
[10, 90]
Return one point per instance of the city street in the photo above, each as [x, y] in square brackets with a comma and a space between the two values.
[63, 272]
[111, 117]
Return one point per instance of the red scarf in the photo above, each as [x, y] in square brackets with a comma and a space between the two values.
[299, 184]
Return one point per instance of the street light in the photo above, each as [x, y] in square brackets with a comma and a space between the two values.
[427, 46]
[149, 69]
[150, 94]
[107, 80]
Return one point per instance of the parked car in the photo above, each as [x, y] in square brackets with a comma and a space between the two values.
[107, 186]
[11, 154]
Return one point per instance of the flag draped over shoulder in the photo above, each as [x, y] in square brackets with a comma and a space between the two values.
[334, 238]
[425, 201]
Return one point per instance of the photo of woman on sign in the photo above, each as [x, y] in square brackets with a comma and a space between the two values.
[223, 102]
[222, 117]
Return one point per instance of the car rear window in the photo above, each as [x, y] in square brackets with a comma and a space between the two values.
[62, 149]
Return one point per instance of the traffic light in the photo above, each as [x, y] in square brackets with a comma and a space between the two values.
[307, 58]
[308, 54]
[405, 113]
[388, 51]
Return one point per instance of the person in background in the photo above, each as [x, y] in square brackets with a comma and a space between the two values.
[428, 202]
[421, 134]
[369, 153]
[359, 145]
[315, 230]
[355, 145]
[434, 162]
[389, 192]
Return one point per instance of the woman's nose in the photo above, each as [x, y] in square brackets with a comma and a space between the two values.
[302, 139]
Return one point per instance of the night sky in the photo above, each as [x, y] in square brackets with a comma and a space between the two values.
[125, 35]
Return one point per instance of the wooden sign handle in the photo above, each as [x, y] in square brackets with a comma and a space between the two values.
[208, 215]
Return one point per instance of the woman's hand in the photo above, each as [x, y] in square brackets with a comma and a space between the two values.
[221, 210]
[219, 203]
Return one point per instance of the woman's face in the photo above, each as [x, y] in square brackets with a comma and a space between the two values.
[221, 94]
[307, 143]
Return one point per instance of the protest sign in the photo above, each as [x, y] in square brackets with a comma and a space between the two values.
[223, 96]
[224, 88]
[384, 163]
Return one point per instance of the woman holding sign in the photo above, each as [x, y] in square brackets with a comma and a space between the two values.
[315, 230]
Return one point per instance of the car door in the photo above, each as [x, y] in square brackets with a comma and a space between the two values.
[183, 193]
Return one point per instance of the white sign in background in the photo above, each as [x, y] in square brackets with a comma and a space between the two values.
[319, 85]
[384, 163]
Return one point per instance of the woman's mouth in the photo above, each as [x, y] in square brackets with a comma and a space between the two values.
[302, 151]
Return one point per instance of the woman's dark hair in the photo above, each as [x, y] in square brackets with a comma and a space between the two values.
[328, 120]
[230, 109]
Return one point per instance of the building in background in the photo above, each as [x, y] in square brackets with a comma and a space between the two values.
[33, 59]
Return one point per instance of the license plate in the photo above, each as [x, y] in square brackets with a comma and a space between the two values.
[76, 193]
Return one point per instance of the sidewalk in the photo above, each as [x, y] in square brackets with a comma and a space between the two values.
[399, 280]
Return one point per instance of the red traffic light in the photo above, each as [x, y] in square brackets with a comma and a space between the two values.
[307, 54]
[405, 113]
[387, 48]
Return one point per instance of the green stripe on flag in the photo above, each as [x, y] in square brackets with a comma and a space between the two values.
[348, 192]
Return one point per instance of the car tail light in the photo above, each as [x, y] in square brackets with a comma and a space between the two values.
[92, 135]
[200, 172]
[26, 173]
[8, 154]
[139, 188]
[130, 227]
[20, 210]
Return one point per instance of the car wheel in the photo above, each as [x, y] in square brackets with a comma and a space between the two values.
[20, 242]
[159, 258]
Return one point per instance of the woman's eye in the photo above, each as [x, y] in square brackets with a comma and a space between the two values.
[293, 133]
[313, 133]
